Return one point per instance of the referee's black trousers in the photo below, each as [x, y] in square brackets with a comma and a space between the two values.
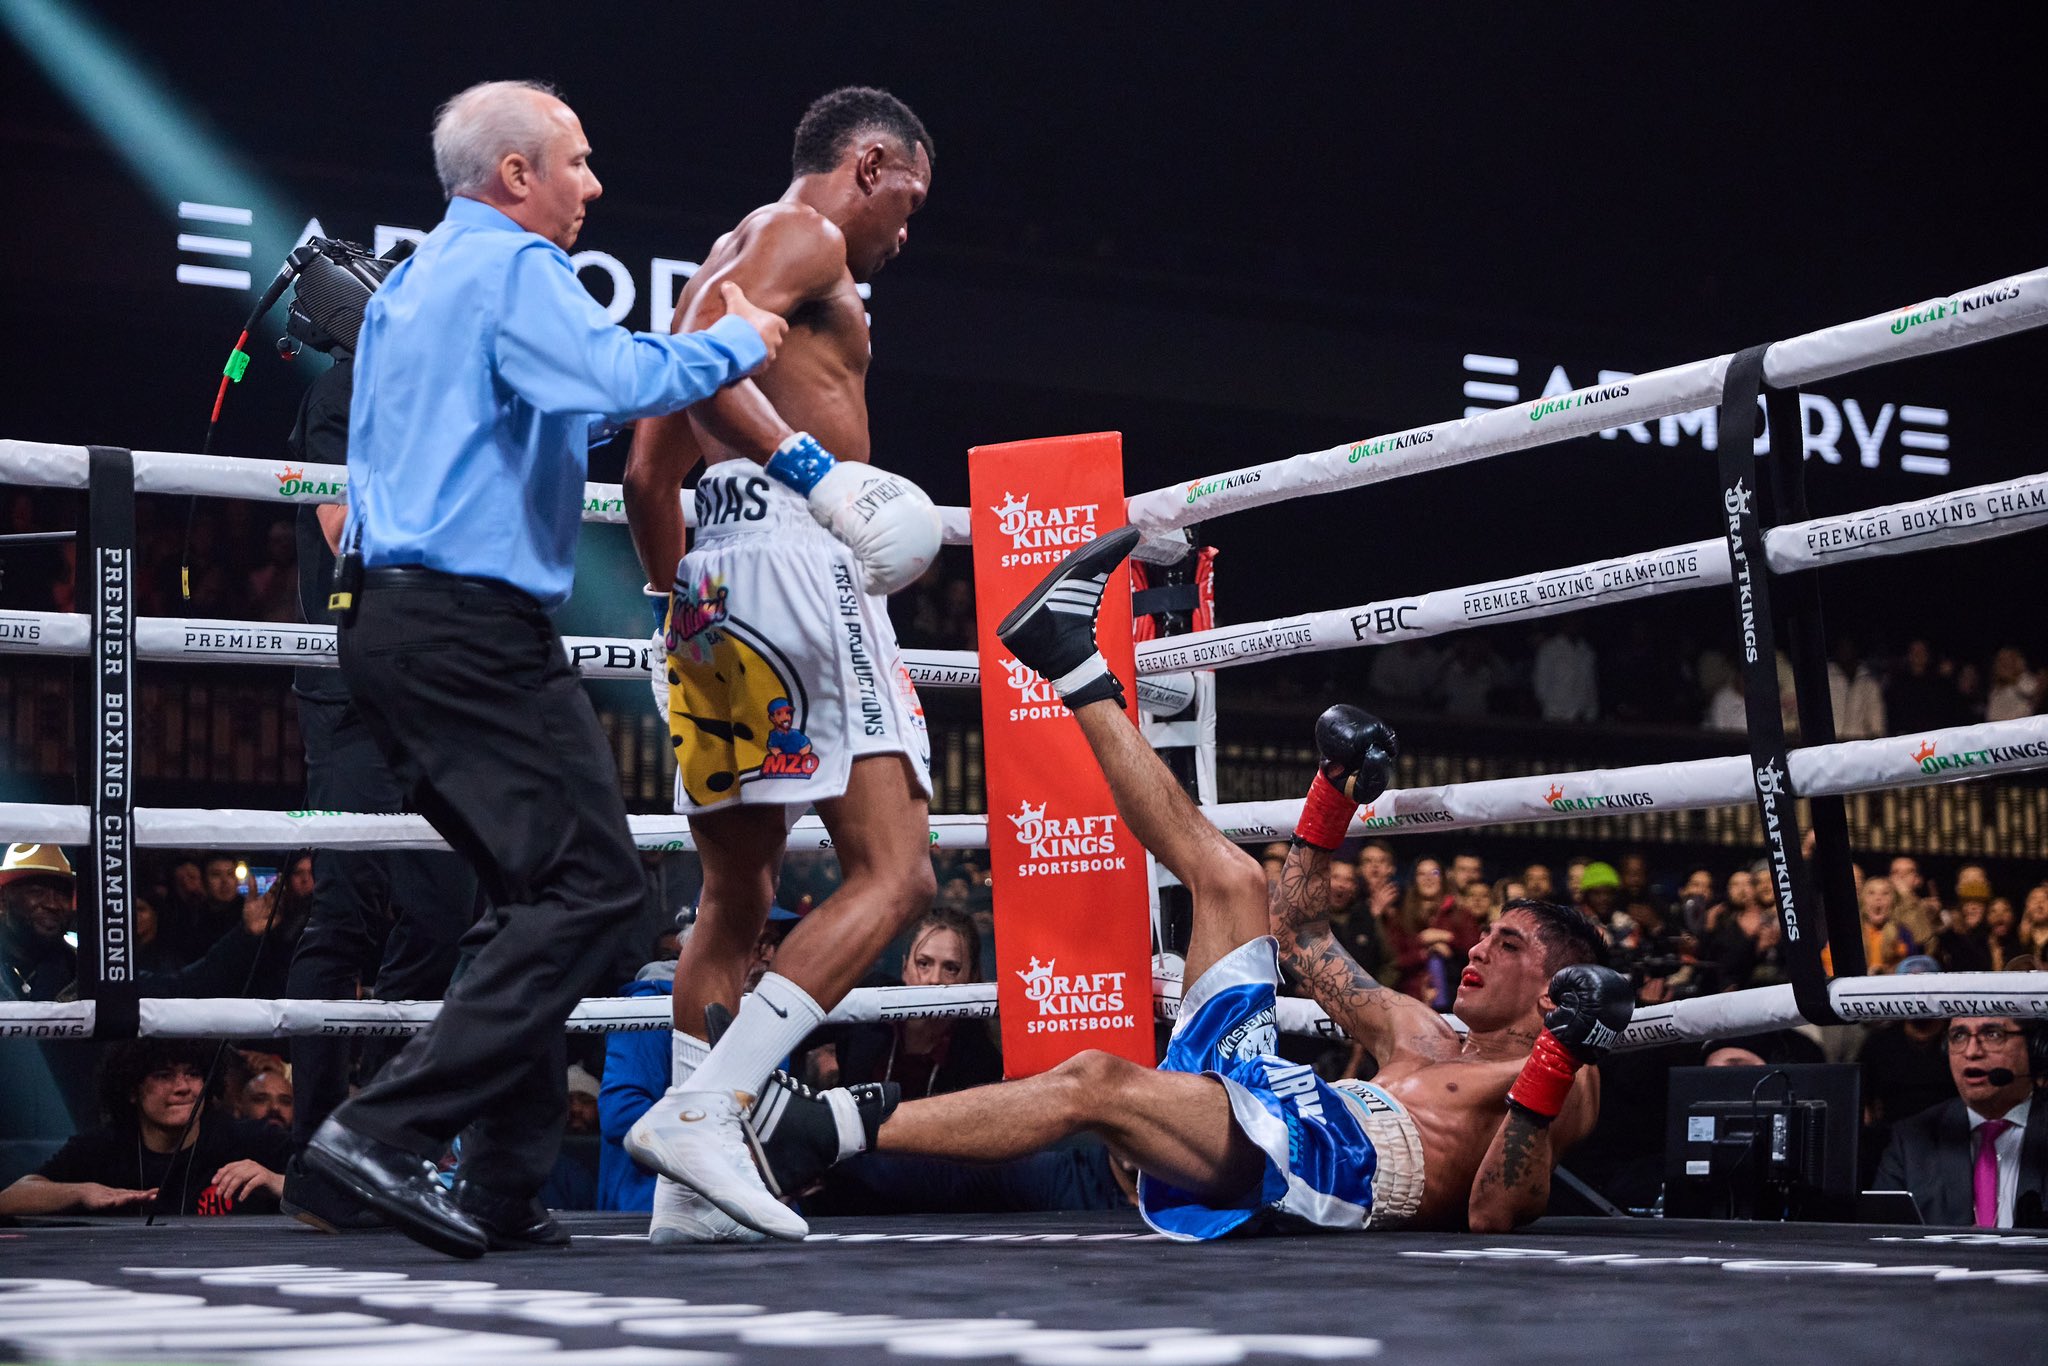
[465, 687]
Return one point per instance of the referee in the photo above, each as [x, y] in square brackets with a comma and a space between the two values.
[481, 368]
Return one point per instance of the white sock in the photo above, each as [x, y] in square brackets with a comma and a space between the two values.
[686, 1053]
[772, 1020]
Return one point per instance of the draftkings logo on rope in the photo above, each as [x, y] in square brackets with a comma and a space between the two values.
[1065, 844]
[293, 483]
[1067, 1003]
[1042, 535]
[1856, 431]
[1929, 759]
[1557, 800]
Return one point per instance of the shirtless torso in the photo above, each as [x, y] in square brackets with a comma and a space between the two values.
[818, 382]
[1454, 1085]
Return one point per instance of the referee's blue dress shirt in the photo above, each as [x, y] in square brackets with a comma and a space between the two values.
[481, 368]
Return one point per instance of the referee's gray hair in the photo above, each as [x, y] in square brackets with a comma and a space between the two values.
[476, 129]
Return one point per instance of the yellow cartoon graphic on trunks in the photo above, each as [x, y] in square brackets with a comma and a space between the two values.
[736, 710]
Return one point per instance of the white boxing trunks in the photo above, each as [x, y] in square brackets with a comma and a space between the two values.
[781, 671]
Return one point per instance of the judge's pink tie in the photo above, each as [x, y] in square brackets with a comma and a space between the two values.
[1984, 1176]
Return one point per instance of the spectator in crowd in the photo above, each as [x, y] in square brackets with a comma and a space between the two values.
[1963, 944]
[928, 1057]
[636, 1073]
[161, 1148]
[1466, 869]
[266, 1097]
[1353, 923]
[1536, 882]
[1566, 675]
[152, 954]
[2015, 689]
[1470, 677]
[1574, 876]
[1695, 899]
[2001, 932]
[1599, 893]
[583, 1092]
[1917, 914]
[1980, 1160]
[1505, 890]
[1885, 945]
[2033, 931]
[1920, 695]
[1727, 711]
[36, 964]
[1737, 894]
[1855, 693]
[218, 907]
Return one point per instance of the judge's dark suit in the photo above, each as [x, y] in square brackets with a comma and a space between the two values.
[1932, 1155]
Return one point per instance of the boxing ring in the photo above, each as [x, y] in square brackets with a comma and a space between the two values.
[1057, 1289]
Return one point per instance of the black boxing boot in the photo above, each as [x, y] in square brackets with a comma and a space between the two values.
[799, 1132]
[1053, 630]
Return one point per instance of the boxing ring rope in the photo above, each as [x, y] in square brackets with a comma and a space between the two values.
[1923, 996]
[1925, 759]
[2013, 304]
[52, 465]
[1982, 513]
[2017, 303]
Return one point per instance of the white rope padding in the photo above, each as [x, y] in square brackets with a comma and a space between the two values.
[1920, 996]
[201, 640]
[1959, 518]
[1958, 753]
[2013, 304]
[50, 465]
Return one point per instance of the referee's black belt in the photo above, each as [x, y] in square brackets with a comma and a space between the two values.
[390, 577]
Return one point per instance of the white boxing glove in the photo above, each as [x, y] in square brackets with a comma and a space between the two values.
[887, 521]
[657, 664]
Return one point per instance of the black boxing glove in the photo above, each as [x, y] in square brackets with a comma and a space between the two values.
[1356, 752]
[1591, 1006]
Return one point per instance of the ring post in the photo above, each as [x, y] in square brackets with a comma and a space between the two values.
[1072, 945]
[1806, 642]
[106, 911]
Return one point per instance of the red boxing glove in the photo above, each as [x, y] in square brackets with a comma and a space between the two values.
[1325, 816]
[1546, 1079]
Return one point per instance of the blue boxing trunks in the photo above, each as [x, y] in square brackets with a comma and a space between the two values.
[1343, 1156]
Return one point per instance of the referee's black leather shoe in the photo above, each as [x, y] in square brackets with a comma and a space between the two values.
[397, 1184]
[510, 1223]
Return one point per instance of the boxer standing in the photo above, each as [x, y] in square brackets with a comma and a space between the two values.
[782, 683]
[481, 367]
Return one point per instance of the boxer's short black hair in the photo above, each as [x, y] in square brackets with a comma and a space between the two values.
[1566, 935]
[834, 120]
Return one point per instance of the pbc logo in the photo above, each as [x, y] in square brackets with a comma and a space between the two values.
[1032, 528]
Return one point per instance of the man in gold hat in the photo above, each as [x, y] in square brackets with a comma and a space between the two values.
[37, 893]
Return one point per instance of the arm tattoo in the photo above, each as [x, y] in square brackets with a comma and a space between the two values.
[1310, 951]
[1519, 1140]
